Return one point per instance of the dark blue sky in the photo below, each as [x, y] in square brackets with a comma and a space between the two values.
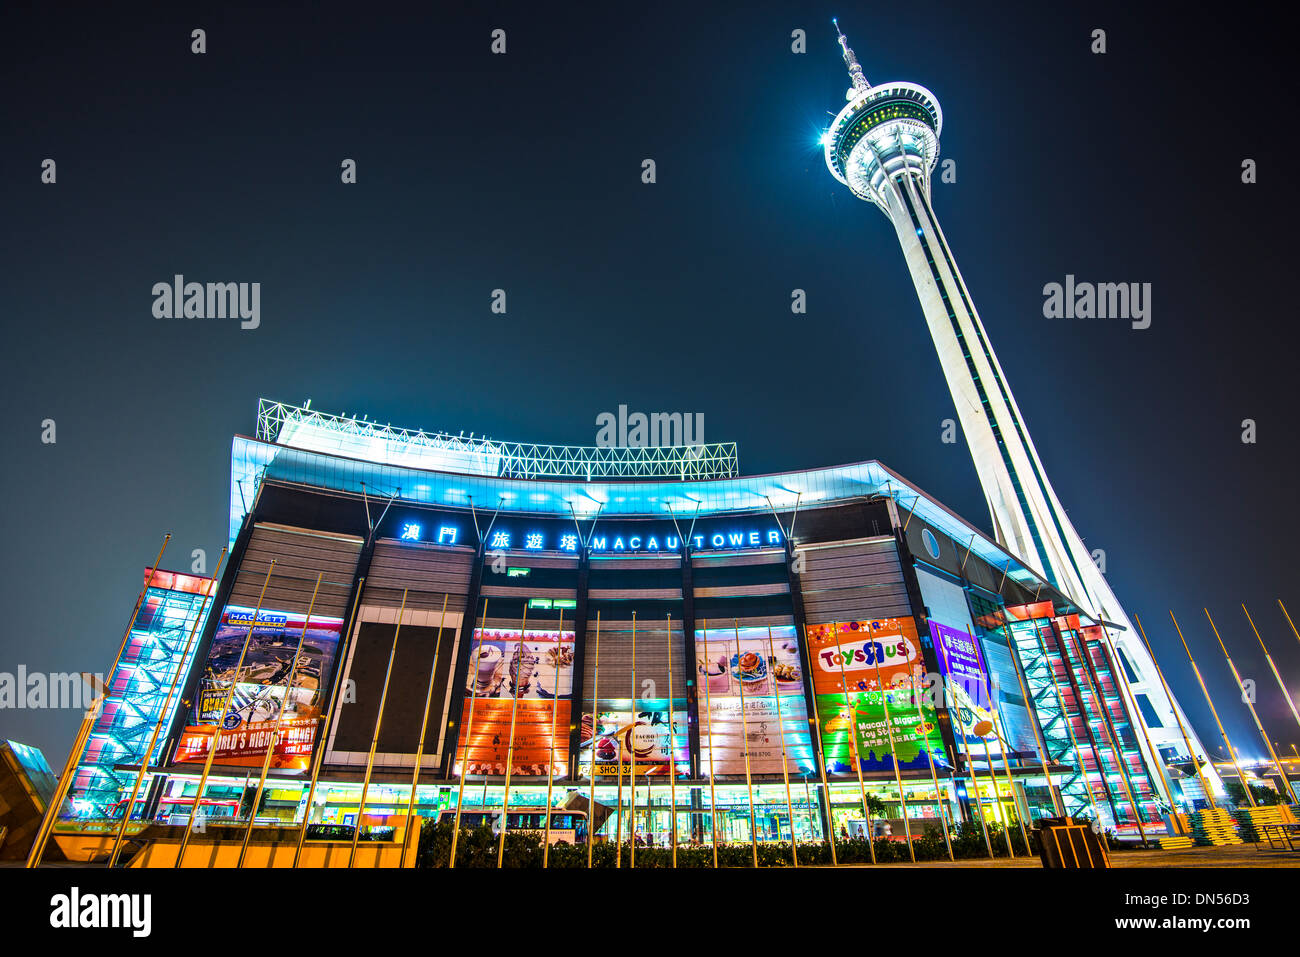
[522, 172]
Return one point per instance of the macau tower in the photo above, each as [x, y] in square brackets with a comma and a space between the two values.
[883, 146]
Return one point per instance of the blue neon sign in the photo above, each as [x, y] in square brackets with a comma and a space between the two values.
[750, 538]
[414, 532]
[648, 542]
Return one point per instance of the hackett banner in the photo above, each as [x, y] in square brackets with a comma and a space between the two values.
[281, 646]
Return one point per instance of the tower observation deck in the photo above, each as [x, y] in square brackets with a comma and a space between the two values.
[884, 145]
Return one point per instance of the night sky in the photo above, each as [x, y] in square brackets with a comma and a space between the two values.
[523, 172]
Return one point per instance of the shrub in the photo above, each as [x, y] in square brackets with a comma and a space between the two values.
[478, 848]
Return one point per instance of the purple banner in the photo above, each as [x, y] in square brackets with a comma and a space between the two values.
[963, 662]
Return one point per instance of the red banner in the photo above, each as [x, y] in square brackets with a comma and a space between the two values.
[247, 744]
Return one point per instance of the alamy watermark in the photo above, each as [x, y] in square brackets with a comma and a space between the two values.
[37, 690]
[656, 430]
[212, 300]
[75, 910]
[1102, 300]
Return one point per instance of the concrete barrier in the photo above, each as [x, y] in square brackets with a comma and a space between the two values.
[161, 847]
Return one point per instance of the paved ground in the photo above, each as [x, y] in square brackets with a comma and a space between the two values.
[1239, 855]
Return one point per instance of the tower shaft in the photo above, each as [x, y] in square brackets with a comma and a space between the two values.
[883, 146]
[1028, 518]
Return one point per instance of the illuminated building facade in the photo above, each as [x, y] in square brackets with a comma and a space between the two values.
[883, 145]
[764, 651]
[159, 645]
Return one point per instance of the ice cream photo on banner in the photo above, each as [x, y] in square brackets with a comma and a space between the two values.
[539, 666]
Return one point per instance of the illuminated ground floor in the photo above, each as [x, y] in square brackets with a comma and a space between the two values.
[766, 811]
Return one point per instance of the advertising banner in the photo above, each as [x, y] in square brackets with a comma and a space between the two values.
[625, 730]
[248, 743]
[967, 681]
[850, 696]
[984, 690]
[262, 693]
[525, 675]
[739, 679]
[961, 661]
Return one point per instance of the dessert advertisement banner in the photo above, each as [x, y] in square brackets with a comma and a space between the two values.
[740, 676]
[526, 676]
[852, 694]
[263, 691]
[625, 732]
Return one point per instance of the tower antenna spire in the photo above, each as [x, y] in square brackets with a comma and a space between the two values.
[860, 84]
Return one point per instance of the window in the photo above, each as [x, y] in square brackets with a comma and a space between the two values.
[931, 543]
[1129, 670]
[1148, 712]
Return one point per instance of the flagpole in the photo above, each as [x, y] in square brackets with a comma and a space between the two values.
[345, 640]
[997, 801]
[940, 803]
[164, 713]
[631, 746]
[469, 728]
[1288, 619]
[550, 767]
[1280, 683]
[83, 734]
[618, 813]
[374, 738]
[785, 762]
[970, 763]
[708, 717]
[672, 743]
[820, 756]
[221, 716]
[1249, 704]
[893, 753]
[807, 789]
[854, 749]
[1005, 746]
[975, 782]
[428, 703]
[510, 746]
[992, 769]
[1196, 764]
[275, 732]
[744, 730]
[1214, 711]
[595, 733]
[78, 743]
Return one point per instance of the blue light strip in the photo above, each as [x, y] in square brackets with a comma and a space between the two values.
[253, 460]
